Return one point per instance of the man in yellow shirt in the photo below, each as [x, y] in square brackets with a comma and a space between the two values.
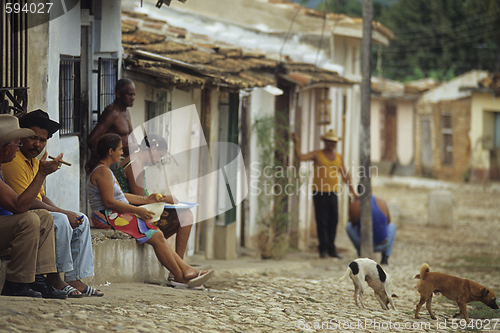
[72, 230]
[328, 167]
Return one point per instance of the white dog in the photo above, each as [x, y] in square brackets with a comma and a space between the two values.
[364, 269]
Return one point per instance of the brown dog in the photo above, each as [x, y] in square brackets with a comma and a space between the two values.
[454, 288]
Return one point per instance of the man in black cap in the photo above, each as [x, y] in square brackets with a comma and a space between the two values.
[72, 230]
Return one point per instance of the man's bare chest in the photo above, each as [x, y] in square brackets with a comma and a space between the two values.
[122, 125]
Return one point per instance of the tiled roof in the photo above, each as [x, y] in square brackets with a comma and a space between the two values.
[491, 82]
[182, 59]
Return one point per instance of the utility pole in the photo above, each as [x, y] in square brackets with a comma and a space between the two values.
[366, 207]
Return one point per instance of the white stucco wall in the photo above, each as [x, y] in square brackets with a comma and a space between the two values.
[405, 132]
[482, 107]
[63, 187]
[107, 23]
[376, 153]
[62, 36]
[261, 105]
[138, 111]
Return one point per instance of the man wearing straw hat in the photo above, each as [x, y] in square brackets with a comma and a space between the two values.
[29, 234]
[328, 167]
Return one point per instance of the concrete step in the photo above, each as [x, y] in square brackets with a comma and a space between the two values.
[119, 258]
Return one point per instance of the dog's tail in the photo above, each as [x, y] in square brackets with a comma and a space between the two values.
[423, 272]
[347, 272]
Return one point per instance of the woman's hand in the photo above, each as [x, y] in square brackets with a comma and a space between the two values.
[144, 213]
[157, 197]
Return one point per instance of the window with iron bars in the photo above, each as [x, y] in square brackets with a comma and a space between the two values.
[69, 96]
[159, 105]
[107, 73]
[447, 137]
[13, 60]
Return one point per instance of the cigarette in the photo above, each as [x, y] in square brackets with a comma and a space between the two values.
[63, 162]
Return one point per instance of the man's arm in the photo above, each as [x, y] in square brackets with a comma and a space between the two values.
[134, 182]
[302, 157]
[47, 204]
[20, 204]
[106, 121]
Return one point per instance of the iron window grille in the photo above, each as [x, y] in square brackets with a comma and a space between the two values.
[160, 104]
[69, 96]
[107, 72]
[447, 136]
[13, 60]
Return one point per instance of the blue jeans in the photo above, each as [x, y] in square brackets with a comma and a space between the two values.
[73, 248]
[386, 248]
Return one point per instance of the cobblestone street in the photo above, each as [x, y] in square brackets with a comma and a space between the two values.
[300, 293]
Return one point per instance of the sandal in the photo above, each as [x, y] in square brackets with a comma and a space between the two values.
[89, 291]
[69, 290]
[179, 285]
[200, 279]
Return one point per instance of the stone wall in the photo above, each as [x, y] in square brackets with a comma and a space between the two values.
[461, 117]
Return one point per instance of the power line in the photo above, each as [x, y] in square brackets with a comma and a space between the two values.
[320, 39]
[287, 35]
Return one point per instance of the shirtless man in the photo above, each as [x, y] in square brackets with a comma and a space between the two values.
[116, 118]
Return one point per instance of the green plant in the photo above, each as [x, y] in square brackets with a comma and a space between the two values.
[275, 183]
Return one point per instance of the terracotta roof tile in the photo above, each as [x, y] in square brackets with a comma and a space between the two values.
[142, 37]
[196, 60]
[168, 47]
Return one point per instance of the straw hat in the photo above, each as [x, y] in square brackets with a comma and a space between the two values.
[9, 129]
[330, 136]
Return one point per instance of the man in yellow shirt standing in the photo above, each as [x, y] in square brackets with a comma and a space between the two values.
[328, 167]
[72, 230]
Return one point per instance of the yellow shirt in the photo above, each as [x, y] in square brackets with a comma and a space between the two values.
[326, 173]
[20, 173]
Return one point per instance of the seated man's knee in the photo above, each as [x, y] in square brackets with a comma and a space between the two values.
[61, 221]
[30, 222]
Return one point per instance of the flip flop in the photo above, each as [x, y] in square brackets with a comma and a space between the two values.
[200, 267]
[179, 285]
[200, 279]
[69, 290]
[89, 291]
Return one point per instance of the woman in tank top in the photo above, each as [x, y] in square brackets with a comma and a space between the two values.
[328, 169]
[116, 209]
